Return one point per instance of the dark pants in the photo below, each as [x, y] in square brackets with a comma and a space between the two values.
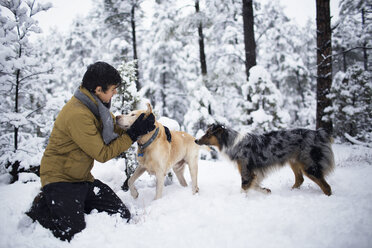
[60, 206]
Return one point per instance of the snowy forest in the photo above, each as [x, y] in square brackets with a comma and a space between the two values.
[242, 63]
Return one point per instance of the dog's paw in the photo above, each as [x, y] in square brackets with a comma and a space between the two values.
[296, 186]
[266, 190]
[195, 190]
[134, 193]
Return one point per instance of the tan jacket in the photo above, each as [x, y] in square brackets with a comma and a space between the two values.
[74, 144]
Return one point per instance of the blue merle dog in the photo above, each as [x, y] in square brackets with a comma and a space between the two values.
[308, 152]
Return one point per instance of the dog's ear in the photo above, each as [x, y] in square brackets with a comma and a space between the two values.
[149, 109]
[216, 127]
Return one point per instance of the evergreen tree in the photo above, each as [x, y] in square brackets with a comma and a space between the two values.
[353, 34]
[199, 114]
[224, 36]
[125, 101]
[165, 78]
[352, 107]
[287, 52]
[23, 86]
[264, 101]
[122, 18]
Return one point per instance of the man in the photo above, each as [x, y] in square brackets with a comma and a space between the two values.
[84, 131]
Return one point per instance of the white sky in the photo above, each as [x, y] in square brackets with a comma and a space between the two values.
[64, 11]
[302, 10]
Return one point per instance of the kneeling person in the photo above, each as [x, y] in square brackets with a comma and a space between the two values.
[84, 131]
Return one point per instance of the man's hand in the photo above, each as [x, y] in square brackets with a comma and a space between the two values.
[141, 126]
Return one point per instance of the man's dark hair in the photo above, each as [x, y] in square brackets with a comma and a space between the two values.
[100, 74]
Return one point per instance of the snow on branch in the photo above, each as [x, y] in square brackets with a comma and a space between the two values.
[355, 141]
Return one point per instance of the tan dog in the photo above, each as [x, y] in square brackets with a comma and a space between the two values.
[157, 155]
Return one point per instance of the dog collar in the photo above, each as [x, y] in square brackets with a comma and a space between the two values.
[153, 137]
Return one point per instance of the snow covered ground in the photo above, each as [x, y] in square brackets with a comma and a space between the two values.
[219, 216]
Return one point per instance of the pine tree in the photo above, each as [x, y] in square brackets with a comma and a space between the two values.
[23, 86]
[165, 77]
[122, 19]
[287, 53]
[264, 101]
[352, 107]
[224, 36]
[125, 101]
[353, 34]
[199, 115]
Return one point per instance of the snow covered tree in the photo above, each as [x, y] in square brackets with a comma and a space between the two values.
[80, 51]
[127, 98]
[122, 19]
[165, 77]
[353, 33]
[264, 101]
[225, 50]
[23, 85]
[352, 107]
[125, 101]
[199, 114]
[87, 41]
[287, 52]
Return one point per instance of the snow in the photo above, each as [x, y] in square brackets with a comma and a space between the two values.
[220, 215]
[355, 141]
[170, 123]
[96, 190]
[260, 116]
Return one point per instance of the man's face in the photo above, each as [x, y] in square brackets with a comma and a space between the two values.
[106, 96]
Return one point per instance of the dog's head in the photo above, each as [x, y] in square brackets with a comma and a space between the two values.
[126, 121]
[212, 136]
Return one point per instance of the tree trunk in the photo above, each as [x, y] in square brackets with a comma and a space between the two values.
[134, 41]
[365, 54]
[249, 41]
[203, 62]
[324, 63]
[344, 60]
[18, 72]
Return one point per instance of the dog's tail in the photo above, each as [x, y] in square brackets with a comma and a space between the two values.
[326, 141]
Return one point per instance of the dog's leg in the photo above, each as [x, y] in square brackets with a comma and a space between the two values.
[178, 169]
[247, 176]
[319, 179]
[160, 177]
[137, 173]
[315, 171]
[251, 180]
[297, 170]
[193, 167]
[257, 184]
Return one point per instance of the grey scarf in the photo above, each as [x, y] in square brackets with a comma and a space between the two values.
[102, 111]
